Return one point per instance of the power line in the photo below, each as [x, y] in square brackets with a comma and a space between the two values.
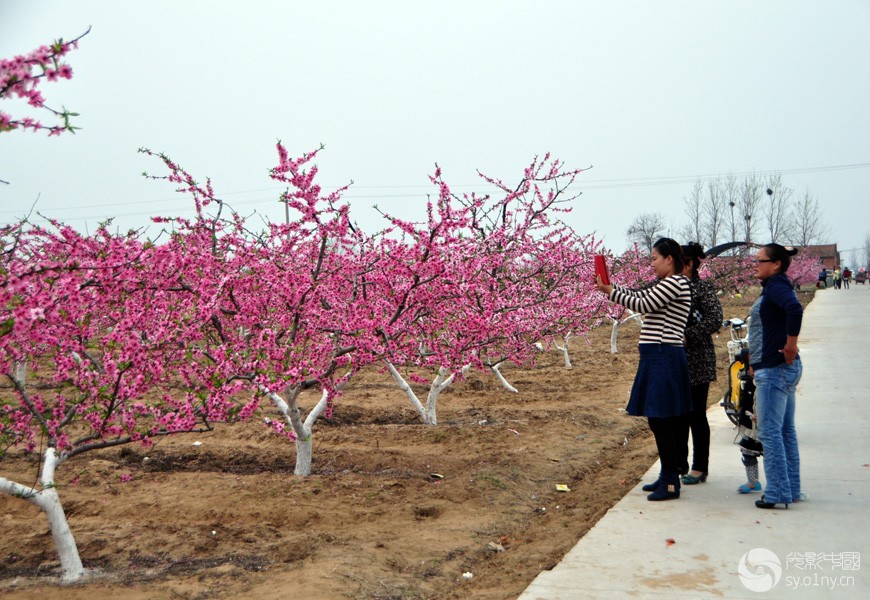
[590, 184]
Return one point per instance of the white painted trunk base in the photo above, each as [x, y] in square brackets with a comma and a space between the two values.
[496, 368]
[429, 412]
[302, 429]
[617, 324]
[48, 500]
[564, 350]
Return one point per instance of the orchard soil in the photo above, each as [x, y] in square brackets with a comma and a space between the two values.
[394, 509]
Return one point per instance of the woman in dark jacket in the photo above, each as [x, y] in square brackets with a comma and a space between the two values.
[774, 326]
[704, 320]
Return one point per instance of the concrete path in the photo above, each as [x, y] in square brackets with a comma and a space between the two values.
[819, 548]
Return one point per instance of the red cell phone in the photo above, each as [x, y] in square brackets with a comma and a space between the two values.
[601, 269]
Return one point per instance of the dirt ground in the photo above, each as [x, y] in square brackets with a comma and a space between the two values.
[393, 510]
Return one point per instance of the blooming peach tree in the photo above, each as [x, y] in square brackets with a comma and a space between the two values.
[730, 274]
[130, 339]
[481, 281]
[534, 284]
[412, 291]
[278, 309]
[89, 320]
[804, 269]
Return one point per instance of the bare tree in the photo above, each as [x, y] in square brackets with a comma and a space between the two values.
[808, 225]
[867, 251]
[714, 211]
[747, 206]
[731, 196]
[730, 209]
[775, 209]
[693, 229]
[646, 229]
[723, 207]
[705, 212]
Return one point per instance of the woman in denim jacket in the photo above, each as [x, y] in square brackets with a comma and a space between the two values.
[773, 349]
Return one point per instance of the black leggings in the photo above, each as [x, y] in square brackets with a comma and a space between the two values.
[697, 422]
[666, 431]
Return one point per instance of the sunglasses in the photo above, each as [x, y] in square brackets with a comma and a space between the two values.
[761, 260]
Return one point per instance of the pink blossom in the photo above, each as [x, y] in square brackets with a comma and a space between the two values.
[21, 76]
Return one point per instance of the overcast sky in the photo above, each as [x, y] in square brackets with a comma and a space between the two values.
[653, 95]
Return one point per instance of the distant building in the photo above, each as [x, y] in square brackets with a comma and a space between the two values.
[827, 252]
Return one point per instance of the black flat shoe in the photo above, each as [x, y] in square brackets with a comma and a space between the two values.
[665, 492]
[765, 504]
[651, 487]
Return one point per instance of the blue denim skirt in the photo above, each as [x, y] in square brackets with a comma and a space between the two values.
[661, 387]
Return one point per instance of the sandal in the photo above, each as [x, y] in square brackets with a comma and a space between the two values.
[746, 489]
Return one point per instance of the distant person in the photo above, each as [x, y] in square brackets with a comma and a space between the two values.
[847, 277]
[823, 279]
[774, 326]
[661, 390]
[837, 276]
[705, 319]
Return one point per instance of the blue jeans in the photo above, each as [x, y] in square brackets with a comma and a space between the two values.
[775, 402]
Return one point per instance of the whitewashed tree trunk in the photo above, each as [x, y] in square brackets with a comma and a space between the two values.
[21, 372]
[496, 368]
[617, 324]
[289, 407]
[564, 350]
[48, 500]
[613, 332]
[429, 412]
[403, 385]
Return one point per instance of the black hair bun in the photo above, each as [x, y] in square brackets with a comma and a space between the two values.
[694, 250]
[791, 250]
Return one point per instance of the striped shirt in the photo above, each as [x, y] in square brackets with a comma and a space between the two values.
[665, 308]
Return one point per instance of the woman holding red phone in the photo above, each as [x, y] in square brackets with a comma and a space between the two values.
[661, 390]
